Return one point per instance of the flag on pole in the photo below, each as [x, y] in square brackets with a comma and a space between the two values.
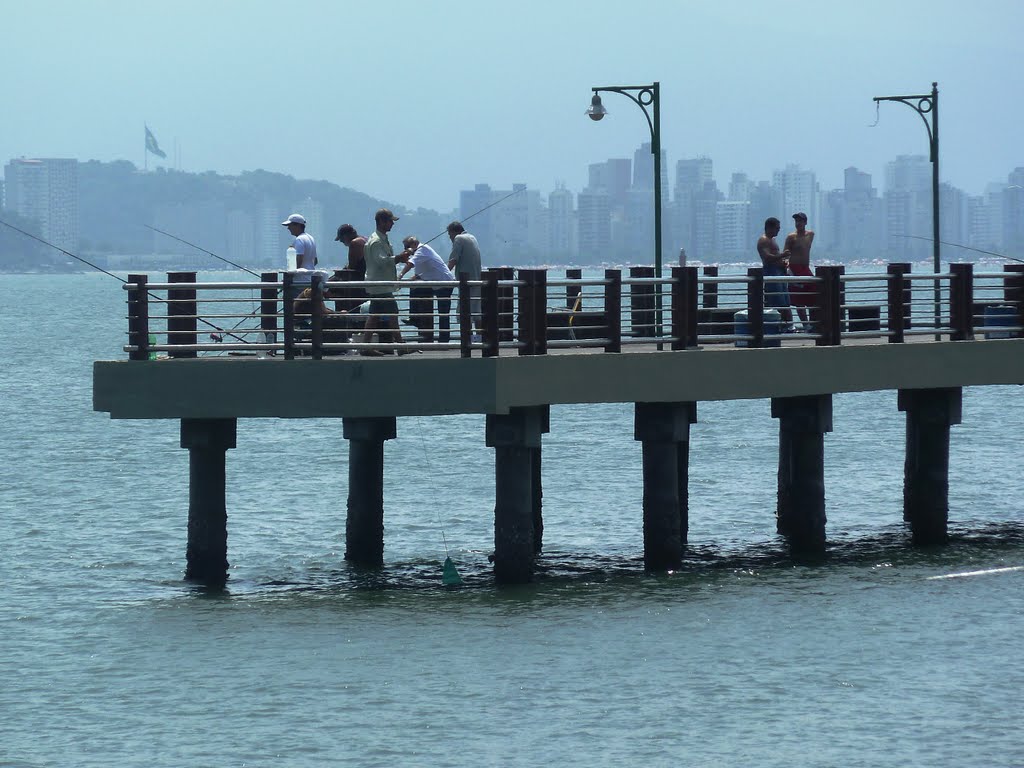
[151, 145]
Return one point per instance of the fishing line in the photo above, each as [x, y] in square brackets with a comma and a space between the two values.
[198, 248]
[965, 247]
[449, 573]
[105, 272]
[506, 197]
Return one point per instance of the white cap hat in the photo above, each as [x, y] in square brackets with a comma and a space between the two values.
[295, 218]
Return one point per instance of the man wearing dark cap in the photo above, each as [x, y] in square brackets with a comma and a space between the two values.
[381, 265]
[797, 249]
[356, 245]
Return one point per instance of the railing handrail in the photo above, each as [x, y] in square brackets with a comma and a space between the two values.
[524, 310]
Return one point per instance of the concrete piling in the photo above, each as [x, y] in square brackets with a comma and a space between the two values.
[803, 422]
[930, 413]
[207, 441]
[516, 439]
[364, 524]
[663, 429]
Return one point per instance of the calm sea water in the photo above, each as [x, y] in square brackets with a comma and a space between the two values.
[740, 658]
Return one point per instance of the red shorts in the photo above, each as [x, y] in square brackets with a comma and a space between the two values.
[802, 294]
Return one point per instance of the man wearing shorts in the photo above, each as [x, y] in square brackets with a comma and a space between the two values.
[797, 249]
[775, 294]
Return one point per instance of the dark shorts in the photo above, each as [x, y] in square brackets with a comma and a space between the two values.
[775, 294]
[385, 305]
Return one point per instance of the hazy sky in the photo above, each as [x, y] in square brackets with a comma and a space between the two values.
[412, 101]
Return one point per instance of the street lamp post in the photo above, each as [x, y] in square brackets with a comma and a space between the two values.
[928, 104]
[643, 96]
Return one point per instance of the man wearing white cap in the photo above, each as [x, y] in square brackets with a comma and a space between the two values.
[304, 245]
[305, 254]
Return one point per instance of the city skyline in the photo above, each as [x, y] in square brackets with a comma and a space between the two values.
[610, 219]
[392, 105]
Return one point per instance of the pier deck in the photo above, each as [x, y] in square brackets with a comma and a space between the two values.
[662, 344]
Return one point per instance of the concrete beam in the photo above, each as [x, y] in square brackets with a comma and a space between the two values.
[362, 387]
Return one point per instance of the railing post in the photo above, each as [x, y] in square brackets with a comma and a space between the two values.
[829, 299]
[961, 306]
[138, 317]
[316, 315]
[755, 306]
[489, 298]
[181, 314]
[1013, 292]
[533, 312]
[465, 318]
[540, 309]
[691, 286]
[613, 309]
[289, 316]
[268, 308]
[897, 312]
[573, 291]
[710, 297]
[680, 331]
[641, 303]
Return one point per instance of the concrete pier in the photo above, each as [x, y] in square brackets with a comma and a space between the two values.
[206, 554]
[516, 439]
[803, 422]
[930, 413]
[364, 524]
[661, 428]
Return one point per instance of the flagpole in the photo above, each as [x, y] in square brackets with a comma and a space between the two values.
[145, 152]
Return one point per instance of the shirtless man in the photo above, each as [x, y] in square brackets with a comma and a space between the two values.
[798, 249]
[775, 294]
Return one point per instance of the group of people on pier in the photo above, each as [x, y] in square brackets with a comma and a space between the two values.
[373, 308]
[793, 259]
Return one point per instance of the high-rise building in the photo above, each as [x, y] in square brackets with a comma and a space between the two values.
[765, 202]
[985, 219]
[1013, 214]
[614, 176]
[740, 187]
[691, 176]
[560, 223]
[908, 208]
[46, 190]
[271, 237]
[732, 226]
[799, 190]
[594, 213]
[474, 202]
[643, 169]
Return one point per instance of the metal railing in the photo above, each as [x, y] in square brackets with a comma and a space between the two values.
[527, 312]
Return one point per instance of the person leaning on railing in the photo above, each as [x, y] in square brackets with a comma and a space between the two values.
[428, 265]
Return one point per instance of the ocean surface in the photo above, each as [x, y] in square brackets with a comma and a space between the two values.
[882, 655]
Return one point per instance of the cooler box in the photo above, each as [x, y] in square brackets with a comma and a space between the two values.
[772, 325]
[1000, 316]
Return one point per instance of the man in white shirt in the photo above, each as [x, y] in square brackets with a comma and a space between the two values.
[429, 265]
[305, 253]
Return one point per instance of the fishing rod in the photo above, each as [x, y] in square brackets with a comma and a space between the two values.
[221, 258]
[506, 197]
[198, 248]
[965, 247]
[105, 272]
